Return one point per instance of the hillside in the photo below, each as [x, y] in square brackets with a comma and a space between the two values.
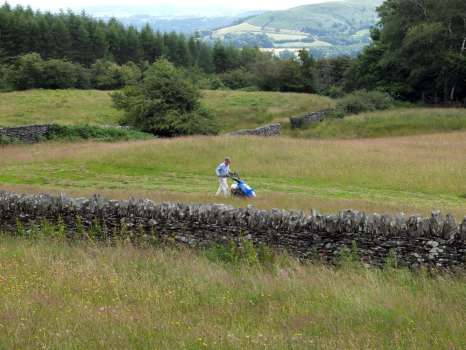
[340, 27]
[233, 109]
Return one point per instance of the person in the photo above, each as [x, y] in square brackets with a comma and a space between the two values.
[223, 172]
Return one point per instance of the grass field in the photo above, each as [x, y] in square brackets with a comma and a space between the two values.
[239, 109]
[411, 174]
[233, 109]
[396, 122]
[54, 295]
[69, 107]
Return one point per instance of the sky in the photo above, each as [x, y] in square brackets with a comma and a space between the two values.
[175, 7]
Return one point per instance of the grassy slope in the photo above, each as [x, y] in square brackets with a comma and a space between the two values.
[238, 109]
[397, 122]
[234, 109]
[53, 295]
[58, 106]
[413, 174]
[321, 17]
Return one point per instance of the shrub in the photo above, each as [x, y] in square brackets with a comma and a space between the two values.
[335, 91]
[26, 72]
[130, 74]
[238, 79]
[164, 103]
[106, 75]
[3, 78]
[58, 74]
[83, 78]
[363, 101]
[5, 140]
[87, 132]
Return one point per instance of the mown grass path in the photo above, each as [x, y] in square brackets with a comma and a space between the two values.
[411, 174]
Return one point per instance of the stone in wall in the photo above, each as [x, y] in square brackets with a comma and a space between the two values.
[266, 131]
[26, 134]
[308, 119]
[415, 241]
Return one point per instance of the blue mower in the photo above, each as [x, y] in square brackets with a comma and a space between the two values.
[240, 188]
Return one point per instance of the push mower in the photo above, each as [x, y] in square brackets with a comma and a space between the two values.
[240, 188]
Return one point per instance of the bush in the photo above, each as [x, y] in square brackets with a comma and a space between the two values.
[3, 78]
[238, 79]
[131, 74]
[58, 74]
[107, 75]
[165, 104]
[88, 132]
[335, 91]
[26, 72]
[363, 101]
[5, 140]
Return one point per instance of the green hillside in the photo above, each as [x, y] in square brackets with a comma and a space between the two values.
[340, 27]
[233, 109]
[333, 17]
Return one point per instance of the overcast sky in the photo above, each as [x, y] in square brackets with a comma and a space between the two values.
[191, 5]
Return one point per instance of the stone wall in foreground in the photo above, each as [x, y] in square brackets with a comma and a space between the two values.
[435, 241]
[26, 134]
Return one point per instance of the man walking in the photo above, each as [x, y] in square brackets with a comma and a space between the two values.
[223, 172]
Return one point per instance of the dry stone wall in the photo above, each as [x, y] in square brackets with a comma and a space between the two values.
[26, 134]
[436, 241]
[267, 131]
[308, 119]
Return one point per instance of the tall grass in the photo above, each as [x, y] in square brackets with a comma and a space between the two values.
[82, 296]
[395, 122]
[413, 174]
[240, 110]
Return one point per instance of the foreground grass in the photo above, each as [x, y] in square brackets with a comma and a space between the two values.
[396, 122]
[53, 295]
[411, 174]
[233, 109]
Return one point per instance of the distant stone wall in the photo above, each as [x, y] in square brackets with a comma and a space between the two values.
[436, 241]
[267, 131]
[26, 134]
[308, 119]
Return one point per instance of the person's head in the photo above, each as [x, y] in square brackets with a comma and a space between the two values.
[227, 161]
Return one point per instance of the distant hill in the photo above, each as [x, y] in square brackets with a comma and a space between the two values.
[186, 25]
[327, 29]
[182, 24]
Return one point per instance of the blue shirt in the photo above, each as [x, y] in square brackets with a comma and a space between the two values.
[223, 170]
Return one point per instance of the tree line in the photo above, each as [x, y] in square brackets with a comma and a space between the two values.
[44, 50]
[418, 53]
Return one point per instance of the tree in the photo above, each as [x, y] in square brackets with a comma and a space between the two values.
[26, 72]
[165, 104]
[107, 75]
[3, 77]
[308, 71]
[418, 51]
[58, 74]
